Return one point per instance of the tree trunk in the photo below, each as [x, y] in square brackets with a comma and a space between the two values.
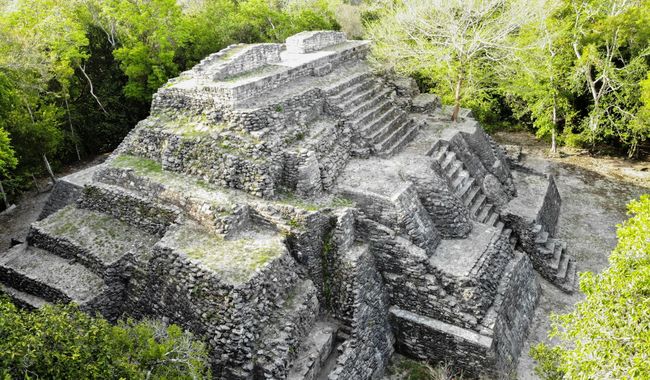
[4, 196]
[554, 131]
[49, 169]
[459, 84]
[38, 188]
[74, 139]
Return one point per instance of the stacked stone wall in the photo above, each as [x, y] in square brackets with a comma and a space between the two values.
[447, 211]
[367, 352]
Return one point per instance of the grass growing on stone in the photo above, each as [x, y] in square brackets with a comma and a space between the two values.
[402, 368]
[140, 165]
[234, 260]
[101, 234]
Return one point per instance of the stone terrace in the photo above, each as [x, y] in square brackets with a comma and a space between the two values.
[306, 218]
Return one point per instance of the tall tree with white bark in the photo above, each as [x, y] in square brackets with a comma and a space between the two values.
[451, 40]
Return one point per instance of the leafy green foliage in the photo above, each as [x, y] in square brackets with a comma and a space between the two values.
[608, 334]
[61, 342]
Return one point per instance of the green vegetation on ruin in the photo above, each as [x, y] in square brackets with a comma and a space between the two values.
[141, 165]
[234, 260]
[97, 232]
[62, 342]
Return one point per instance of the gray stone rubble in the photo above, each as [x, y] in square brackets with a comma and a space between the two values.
[306, 218]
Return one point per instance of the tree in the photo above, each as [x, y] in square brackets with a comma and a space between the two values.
[608, 334]
[539, 74]
[611, 58]
[455, 41]
[62, 342]
[146, 35]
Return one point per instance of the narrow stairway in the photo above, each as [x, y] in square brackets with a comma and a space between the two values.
[465, 186]
[557, 265]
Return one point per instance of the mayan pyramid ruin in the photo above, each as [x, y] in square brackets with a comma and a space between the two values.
[306, 218]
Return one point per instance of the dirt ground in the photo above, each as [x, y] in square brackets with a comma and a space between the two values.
[14, 224]
[594, 191]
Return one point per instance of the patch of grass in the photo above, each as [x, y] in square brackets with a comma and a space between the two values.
[234, 260]
[416, 370]
[341, 202]
[140, 165]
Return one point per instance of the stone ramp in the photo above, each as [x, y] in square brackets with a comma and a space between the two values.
[50, 277]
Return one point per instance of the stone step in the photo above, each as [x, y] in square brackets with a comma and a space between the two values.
[559, 252]
[453, 170]
[493, 219]
[368, 104]
[362, 121]
[343, 89]
[406, 137]
[541, 237]
[386, 129]
[314, 351]
[449, 159]
[393, 137]
[440, 152]
[485, 213]
[358, 98]
[55, 279]
[467, 186]
[22, 299]
[99, 241]
[289, 325]
[562, 269]
[472, 194]
[570, 281]
[373, 125]
[461, 179]
[476, 206]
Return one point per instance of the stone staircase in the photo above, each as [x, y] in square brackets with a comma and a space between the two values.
[465, 186]
[554, 263]
[368, 106]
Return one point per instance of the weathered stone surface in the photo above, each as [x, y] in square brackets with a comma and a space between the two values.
[306, 218]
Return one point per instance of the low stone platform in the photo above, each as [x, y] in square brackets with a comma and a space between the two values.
[306, 218]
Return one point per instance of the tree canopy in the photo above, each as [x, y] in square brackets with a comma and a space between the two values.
[62, 342]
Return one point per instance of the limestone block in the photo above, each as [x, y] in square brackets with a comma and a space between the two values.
[307, 42]
[238, 59]
[425, 103]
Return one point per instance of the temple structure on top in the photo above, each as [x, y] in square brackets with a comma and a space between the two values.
[306, 218]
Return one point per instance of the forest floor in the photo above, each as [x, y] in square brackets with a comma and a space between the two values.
[595, 191]
[14, 223]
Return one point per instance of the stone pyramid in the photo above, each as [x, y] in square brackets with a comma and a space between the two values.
[306, 218]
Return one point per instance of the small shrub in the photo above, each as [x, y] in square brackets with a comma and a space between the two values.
[62, 342]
